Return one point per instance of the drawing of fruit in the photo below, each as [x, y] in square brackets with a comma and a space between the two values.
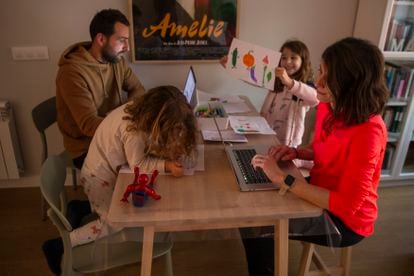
[269, 76]
[248, 59]
[234, 58]
[252, 74]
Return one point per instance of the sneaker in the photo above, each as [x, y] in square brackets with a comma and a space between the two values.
[53, 250]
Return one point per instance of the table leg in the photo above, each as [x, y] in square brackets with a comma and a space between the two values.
[147, 248]
[281, 247]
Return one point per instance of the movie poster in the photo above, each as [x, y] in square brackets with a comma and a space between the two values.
[182, 30]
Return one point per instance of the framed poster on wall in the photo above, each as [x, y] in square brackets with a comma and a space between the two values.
[182, 30]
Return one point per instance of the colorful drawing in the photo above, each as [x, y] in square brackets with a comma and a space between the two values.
[259, 62]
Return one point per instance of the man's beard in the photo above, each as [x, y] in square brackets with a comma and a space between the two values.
[108, 56]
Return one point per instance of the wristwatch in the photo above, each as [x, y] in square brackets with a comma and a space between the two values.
[289, 180]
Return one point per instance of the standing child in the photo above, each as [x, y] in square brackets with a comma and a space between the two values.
[285, 108]
[152, 132]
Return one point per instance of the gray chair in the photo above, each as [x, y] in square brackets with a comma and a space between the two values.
[44, 115]
[94, 256]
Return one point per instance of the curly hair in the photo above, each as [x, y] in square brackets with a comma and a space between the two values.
[304, 74]
[164, 114]
[355, 77]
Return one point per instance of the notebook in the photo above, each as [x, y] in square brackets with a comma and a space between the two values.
[248, 178]
[190, 89]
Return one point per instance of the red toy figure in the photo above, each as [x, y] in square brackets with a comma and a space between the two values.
[140, 189]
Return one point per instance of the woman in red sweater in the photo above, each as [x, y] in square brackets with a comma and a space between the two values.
[347, 150]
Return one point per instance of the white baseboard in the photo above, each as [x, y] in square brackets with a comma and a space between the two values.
[30, 181]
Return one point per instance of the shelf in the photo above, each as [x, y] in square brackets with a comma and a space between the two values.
[404, 3]
[396, 102]
[379, 21]
[402, 56]
[393, 137]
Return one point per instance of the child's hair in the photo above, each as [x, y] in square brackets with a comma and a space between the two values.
[304, 74]
[165, 115]
[355, 77]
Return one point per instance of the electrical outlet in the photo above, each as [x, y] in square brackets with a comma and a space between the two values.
[30, 53]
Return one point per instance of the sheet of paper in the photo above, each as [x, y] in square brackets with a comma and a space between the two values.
[232, 107]
[250, 125]
[228, 136]
[252, 63]
[199, 166]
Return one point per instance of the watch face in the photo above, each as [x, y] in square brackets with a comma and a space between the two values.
[289, 180]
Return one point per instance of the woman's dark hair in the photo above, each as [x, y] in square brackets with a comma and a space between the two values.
[355, 77]
[165, 116]
[304, 74]
[104, 22]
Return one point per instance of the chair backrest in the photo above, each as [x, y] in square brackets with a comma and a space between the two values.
[52, 182]
[44, 115]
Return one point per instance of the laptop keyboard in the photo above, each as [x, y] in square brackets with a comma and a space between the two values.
[250, 175]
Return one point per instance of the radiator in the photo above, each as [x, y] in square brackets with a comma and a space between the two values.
[11, 161]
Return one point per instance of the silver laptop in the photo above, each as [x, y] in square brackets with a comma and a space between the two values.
[248, 178]
[190, 88]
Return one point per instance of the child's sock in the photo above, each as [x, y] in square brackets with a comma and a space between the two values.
[53, 250]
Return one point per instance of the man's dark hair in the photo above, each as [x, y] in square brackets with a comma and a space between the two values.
[104, 21]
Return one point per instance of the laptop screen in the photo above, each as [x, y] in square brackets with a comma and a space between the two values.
[190, 88]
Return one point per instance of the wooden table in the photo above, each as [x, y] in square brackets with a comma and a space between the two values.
[209, 200]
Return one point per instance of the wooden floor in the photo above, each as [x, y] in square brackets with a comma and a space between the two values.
[390, 251]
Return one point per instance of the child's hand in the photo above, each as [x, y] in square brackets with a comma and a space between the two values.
[174, 167]
[223, 61]
[281, 73]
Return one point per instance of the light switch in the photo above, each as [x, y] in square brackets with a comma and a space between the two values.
[30, 53]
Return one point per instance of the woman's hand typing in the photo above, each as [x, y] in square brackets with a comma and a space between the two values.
[269, 165]
[283, 152]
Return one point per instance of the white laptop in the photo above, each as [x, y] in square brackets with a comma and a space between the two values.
[248, 178]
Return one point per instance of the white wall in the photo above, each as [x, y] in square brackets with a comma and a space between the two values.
[57, 24]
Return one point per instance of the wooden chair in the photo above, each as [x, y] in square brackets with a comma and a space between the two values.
[310, 254]
[44, 115]
[95, 256]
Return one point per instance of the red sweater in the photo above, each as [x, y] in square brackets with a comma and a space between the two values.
[348, 164]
